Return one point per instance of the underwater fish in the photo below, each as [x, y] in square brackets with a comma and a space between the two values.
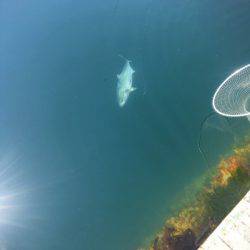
[125, 83]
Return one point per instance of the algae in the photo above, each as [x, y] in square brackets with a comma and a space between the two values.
[222, 188]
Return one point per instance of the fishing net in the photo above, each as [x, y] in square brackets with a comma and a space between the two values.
[232, 96]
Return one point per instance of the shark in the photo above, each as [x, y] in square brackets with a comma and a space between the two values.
[125, 83]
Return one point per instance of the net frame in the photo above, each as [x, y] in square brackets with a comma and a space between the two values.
[234, 97]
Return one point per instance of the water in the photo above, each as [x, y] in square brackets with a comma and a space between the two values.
[94, 175]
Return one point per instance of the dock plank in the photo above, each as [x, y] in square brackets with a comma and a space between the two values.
[234, 231]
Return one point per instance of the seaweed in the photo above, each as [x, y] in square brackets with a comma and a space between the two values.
[196, 219]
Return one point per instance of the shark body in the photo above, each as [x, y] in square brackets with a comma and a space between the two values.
[125, 83]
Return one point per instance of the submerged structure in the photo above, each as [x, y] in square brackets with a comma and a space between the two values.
[232, 96]
[125, 83]
[220, 190]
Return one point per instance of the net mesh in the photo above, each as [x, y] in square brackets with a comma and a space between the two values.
[232, 96]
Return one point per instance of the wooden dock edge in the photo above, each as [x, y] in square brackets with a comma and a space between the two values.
[233, 233]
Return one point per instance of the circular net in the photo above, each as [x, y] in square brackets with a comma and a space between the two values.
[232, 96]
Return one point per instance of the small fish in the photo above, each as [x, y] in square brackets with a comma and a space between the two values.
[125, 83]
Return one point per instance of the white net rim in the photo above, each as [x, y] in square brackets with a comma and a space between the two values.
[219, 88]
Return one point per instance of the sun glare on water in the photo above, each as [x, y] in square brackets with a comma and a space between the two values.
[14, 200]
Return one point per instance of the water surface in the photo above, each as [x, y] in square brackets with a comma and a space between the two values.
[97, 176]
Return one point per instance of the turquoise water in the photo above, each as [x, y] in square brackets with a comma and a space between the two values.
[86, 173]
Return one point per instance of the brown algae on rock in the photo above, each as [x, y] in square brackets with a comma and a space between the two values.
[196, 219]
